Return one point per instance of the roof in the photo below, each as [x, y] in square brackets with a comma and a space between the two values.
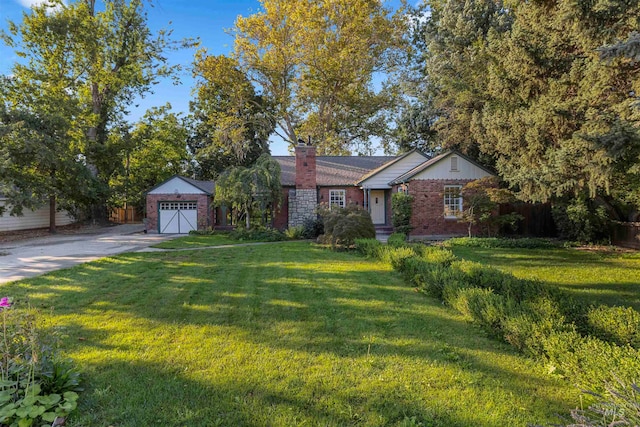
[333, 170]
[426, 165]
[206, 186]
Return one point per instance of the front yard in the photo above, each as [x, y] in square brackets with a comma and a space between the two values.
[279, 335]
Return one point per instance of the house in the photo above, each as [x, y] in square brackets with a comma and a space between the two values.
[308, 180]
[38, 218]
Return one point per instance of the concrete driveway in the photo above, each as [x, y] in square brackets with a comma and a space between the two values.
[32, 257]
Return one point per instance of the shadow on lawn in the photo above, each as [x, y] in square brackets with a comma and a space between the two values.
[112, 401]
[302, 305]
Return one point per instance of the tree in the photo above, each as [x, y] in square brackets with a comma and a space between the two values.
[248, 190]
[151, 152]
[481, 200]
[558, 118]
[40, 115]
[232, 124]
[315, 62]
[113, 57]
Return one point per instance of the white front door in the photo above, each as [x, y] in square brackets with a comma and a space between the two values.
[377, 206]
[178, 217]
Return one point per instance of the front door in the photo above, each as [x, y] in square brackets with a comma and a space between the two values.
[377, 207]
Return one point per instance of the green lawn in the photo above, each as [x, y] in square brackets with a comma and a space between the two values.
[195, 241]
[284, 334]
[611, 278]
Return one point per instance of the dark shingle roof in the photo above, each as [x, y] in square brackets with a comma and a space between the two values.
[333, 170]
[208, 187]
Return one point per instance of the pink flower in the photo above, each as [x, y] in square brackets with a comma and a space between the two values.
[4, 302]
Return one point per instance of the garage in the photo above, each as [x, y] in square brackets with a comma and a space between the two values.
[178, 217]
[179, 205]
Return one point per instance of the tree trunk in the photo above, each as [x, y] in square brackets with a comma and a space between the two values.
[52, 214]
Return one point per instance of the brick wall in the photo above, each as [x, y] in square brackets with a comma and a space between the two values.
[428, 209]
[205, 213]
[353, 195]
[281, 218]
[305, 166]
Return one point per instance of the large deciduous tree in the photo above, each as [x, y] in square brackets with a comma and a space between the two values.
[315, 61]
[113, 57]
[231, 123]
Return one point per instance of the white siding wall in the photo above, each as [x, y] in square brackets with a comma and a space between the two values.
[442, 170]
[176, 185]
[32, 219]
[382, 179]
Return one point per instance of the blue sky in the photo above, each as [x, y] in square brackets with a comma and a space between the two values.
[204, 19]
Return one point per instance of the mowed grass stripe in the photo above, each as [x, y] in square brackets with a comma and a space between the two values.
[279, 335]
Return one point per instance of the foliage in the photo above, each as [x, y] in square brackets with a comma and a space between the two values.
[342, 226]
[99, 55]
[397, 239]
[481, 200]
[401, 211]
[620, 325]
[258, 234]
[151, 152]
[36, 386]
[501, 242]
[294, 233]
[251, 189]
[315, 65]
[368, 247]
[312, 228]
[581, 220]
[232, 123]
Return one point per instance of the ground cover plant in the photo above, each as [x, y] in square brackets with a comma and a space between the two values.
[279, 335]
[589, 345]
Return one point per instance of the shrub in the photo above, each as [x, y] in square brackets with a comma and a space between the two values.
[619, 325]
[498, 242]
[581, 220]
[401, 210]
[483, 306]
[294, 233]
[396, 255]
[342, 226]
[208, 231]
[36, 386]
[260, 234]
[436, 255]
[368, 247]
[397, 239]
[312, 228]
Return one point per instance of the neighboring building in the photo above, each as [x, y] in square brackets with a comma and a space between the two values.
[31, 219]
[308, 180]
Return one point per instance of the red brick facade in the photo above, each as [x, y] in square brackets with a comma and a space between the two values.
[205, 213]
[428, 209]
[352, 195]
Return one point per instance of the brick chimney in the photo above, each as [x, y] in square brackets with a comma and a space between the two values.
[305, 165]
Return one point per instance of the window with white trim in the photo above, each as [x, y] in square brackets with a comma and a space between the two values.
[452, 201]
[337, 198]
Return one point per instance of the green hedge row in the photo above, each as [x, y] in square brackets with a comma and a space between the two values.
[587, 344]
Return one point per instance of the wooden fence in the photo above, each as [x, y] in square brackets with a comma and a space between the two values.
[537, 220]
[626, 234]
[122, 216]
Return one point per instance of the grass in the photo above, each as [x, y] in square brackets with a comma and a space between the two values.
[195, 241]
[598, 277]
[286, 334]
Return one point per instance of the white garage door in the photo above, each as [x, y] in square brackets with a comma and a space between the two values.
[178, 217]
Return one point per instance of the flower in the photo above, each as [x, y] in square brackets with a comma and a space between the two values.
[4, 302]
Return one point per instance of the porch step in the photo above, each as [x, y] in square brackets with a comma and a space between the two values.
[384, 229]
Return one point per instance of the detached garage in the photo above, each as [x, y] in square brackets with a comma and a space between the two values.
[179, 205]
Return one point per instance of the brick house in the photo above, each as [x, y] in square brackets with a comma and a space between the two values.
[368, 181]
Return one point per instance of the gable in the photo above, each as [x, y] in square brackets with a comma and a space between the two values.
[443, 169]
[380, 179]
[176, 185]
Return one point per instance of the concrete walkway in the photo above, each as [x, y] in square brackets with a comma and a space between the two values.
[32, 257]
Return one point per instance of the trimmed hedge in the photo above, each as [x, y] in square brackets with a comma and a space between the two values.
[586, 344]
[500, 242]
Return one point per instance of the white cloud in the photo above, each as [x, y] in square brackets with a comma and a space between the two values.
[32, 3]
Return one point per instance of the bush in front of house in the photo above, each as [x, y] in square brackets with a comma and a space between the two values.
[368, 247]
[397, 239]
[581, 220]
[342, 226]
[312, 228]
[258, 234]
[540, 321]
[401, 210]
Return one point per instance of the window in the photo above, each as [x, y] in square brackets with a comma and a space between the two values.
[452, 201]
[337, 198]
[454, 164]
[403, 188]
[175, 206]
